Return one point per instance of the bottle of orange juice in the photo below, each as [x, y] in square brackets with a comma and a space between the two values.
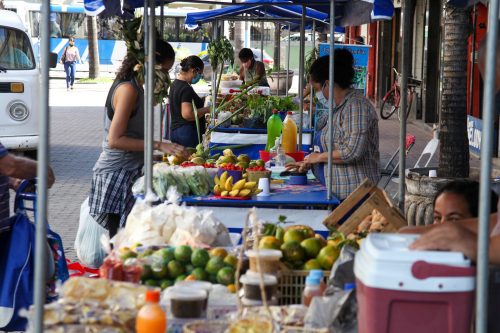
[289, 134]
[151, 317]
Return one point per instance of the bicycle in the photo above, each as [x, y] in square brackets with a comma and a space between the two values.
[392, 99]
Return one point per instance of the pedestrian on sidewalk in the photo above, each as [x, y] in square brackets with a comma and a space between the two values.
[68, 59]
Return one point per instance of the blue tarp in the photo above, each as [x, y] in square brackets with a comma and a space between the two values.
[292, 12]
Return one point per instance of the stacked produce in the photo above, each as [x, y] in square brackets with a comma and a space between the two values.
[242, 188]
[162, 267]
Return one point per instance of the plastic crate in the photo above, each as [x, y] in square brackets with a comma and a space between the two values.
[291, 284]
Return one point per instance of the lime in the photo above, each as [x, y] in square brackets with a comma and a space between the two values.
[164, 284]
[147, 273]
[166, 254]
[225, 276]
[312, 246]
[199, 258]
[151, 283]
[199, 274]
[124, 255]
[293, 252]
[327, 256]
[159, 270]
[312, 264]
[146, 253]
[231, 261]
[188, 268]
[182, 253]
[181, 277]
[212, 278]
[214, 264]
[293, 235]
[280, 234]
[175, 269]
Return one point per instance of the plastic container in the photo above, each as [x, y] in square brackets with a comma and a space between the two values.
[195, 285]
[274, 127]
[399, 290]
[251, 285]
[269, 260]
[151, 318]
[291, 284]
[318, 273]
[254, 176]
[311, 290]
[289, 134]
[187, 302]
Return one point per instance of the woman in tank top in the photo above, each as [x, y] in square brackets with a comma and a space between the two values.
[252, 71]
[122, 157]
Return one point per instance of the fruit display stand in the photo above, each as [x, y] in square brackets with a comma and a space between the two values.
[358, 207]
[254, 138]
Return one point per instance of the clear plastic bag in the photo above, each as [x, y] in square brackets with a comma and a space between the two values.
[88, 239]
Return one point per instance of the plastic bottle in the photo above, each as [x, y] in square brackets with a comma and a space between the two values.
[274, 127]
[318, 273]
[311, 290]
[151, 317]
[289, 134]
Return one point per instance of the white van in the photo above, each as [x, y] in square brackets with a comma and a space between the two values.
[19, 85]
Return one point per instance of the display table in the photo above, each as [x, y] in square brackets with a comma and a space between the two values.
[301, 204]
[255, 138]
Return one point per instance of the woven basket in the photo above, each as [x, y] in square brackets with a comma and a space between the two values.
[291, 284]
[206, 326]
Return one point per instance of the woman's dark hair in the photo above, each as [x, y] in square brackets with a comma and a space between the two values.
[469, 190]
[191, 62]
[71, 39]
[245, 54]
[163, 52]
[343, 66]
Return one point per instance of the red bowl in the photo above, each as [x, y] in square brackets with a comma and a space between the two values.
[297, 156]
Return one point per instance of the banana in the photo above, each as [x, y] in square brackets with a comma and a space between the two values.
[234, 193]
[217, 189]
[239, 184]
[245, 193]
[229, 184]
[245, 175]
[223, 178]
[217, 180]
[256, 191]
[250, 185]
[224, 193]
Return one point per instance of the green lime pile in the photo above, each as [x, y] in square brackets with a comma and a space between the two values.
[164, 267]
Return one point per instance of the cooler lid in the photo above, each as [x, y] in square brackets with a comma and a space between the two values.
[395, 247]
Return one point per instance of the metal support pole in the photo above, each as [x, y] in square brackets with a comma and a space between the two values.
[473, 60]
[405, 71]
[486, 154]
[42, 172]
[331, 100]
[214, 80]
[163, 106]
[149, 29]
[311, 90]
[301, 74]
[262, 41]
[288, 60]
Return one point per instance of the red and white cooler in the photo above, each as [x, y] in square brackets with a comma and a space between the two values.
[404, 291]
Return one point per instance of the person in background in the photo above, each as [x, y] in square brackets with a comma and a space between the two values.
[69, 57]
[122, 156]
[252, 71]
[458, 200]
[181, 99]
[355, 129]
[12, 170]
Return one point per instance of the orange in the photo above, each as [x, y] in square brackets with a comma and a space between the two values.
[327, 256]
[218, 252]
[269, 242]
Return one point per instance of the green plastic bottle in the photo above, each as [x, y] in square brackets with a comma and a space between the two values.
[274, 127]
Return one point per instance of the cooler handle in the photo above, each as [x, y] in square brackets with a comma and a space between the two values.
[422, 270]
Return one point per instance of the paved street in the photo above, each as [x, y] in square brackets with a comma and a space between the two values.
[76, 132]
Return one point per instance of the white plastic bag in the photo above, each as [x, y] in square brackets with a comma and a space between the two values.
[88, 239]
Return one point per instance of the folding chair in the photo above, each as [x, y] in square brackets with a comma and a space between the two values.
[410, 142]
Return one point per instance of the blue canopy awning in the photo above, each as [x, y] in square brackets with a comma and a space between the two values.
[288, 12]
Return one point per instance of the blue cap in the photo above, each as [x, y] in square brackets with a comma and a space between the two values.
[316, 273]
[312, 281]
[349, 286]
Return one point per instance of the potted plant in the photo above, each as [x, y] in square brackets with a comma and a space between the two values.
[277, 80]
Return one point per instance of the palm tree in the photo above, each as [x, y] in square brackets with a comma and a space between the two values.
[454, 152]
[93, 49]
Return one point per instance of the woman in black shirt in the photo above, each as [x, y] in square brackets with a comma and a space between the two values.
[181, 97]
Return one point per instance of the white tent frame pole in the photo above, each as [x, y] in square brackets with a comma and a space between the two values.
[405, 68]
[311, 90]
[149, 30]
[214, 79]
[301, 74]
[288, 60]
[42, 173]
[486, 155]
[331, 99]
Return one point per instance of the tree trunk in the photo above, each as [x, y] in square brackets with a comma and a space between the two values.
[454, 152]
[277, 45]
[239, 37]
[93, 48]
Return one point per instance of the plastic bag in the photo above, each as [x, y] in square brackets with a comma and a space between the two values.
[342, 272]
[338, 313]
[88, 239]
